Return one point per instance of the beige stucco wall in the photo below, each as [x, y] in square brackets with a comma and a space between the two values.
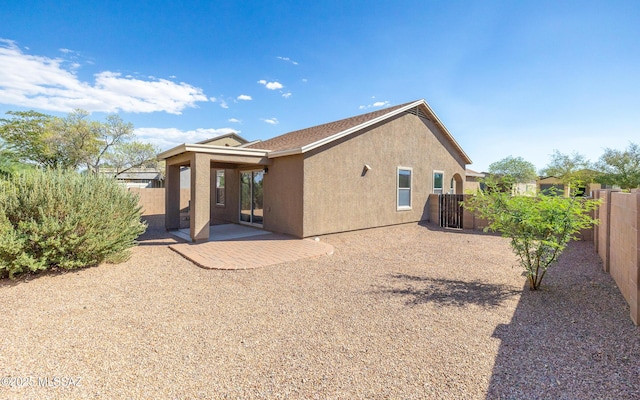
[338, 198]
[225, 141]
[283, 194]
[152, 200]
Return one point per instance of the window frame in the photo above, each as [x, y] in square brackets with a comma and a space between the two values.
[398, 189]
[433, 186]
[223, 187]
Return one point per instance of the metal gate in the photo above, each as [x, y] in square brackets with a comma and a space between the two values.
[451, 210]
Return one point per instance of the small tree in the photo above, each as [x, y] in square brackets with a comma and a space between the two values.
[539, 227]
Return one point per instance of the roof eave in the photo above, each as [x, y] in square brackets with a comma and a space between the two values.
[464, 155]
[356, 128]
[210, 149]
[346, 132]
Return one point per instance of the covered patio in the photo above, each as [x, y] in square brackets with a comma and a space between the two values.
[214, 195]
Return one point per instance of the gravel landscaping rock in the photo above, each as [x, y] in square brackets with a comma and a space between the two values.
[402, 312]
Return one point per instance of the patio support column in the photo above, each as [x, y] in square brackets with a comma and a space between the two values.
[200, 212]
[172, 197]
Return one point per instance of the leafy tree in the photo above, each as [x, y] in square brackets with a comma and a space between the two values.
[73, 141]
[573, 170]
[125, 156]
[620, 168]
[510, 171]
[539, 227]
[27, 134]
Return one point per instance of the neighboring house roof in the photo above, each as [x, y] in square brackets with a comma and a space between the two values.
[133, 173]
[470, 172]
[232, 135]
[307, 139]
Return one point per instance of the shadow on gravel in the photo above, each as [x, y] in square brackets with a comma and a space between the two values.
[156, 234]
[573, 339]
[437, 228]
[446, 292]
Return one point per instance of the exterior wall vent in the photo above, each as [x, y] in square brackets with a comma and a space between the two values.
[418, 111]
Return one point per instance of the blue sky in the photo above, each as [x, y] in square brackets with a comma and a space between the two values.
[516, 78]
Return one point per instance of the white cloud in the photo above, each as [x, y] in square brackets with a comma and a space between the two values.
[375, 105]
[271, 85]
[244, 97]
[51, 84]
[286, 95]
[234, 120]
[272, 121]
[167, 138]
[287, 59]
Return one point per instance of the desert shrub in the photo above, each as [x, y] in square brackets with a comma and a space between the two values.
[539, 227]
[57, 219]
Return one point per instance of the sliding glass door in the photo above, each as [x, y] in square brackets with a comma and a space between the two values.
[251, 197]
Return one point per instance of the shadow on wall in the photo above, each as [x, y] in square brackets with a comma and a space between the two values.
[572, 339]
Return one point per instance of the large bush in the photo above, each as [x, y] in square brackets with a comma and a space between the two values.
[55, 219]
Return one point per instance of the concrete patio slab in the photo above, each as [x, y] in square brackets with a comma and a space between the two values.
[224, 232]
[247, 248]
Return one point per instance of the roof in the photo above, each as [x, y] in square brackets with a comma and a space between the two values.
[304, 140]
[470, 172]
[307, 139]
[303, 137]
[233, 135]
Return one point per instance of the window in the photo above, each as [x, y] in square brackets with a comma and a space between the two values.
[404, 188]
[438, 178]
[220, 187]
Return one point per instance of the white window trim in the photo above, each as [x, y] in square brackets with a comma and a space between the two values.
[398, 206]
[224, 188]
[433, 184]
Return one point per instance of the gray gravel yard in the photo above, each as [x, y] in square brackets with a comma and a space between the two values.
[402, 312]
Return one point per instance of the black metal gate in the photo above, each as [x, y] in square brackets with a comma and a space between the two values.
[451, 210]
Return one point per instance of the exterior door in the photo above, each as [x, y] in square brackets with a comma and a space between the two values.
[251, 197]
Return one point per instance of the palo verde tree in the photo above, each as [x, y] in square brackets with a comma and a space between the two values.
[74, 141]
[620, 168]
[539, 227]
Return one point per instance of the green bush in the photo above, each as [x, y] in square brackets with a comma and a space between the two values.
[539, 227]
[56, 219]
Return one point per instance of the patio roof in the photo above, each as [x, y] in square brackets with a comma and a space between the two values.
[239, 155]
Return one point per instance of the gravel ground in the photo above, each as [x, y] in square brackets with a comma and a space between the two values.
[403, 312]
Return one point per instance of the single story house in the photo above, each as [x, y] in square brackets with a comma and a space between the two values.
[473, 180]
[556, 185]
[136, 177]
[366, 171]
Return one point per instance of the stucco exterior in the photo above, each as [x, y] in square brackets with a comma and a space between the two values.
[338, 196]
[335, 177]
